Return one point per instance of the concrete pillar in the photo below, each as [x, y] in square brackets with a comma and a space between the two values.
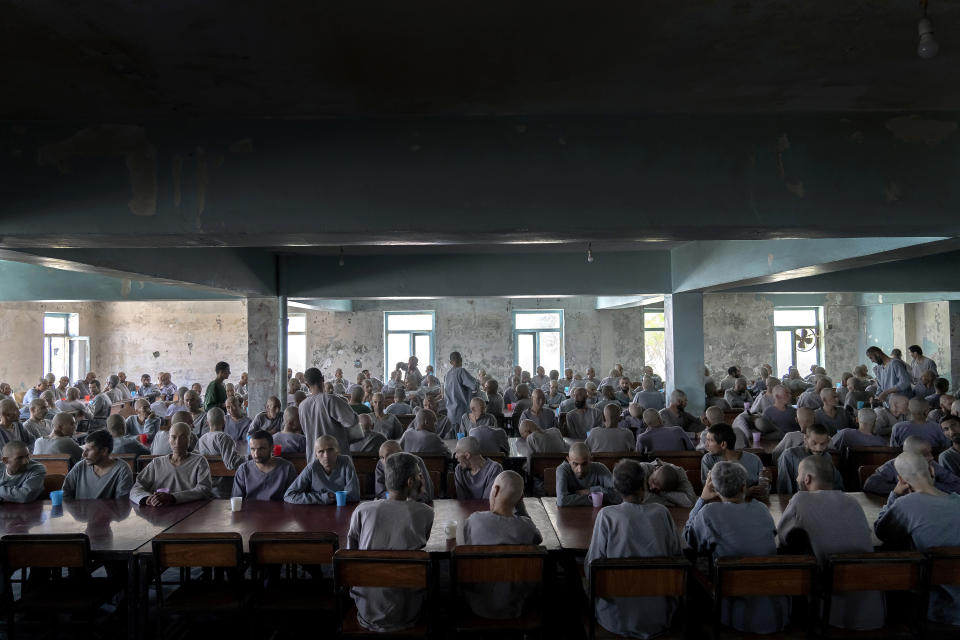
[263, 353]
[900, 326]
[683, 317]
[954, 365]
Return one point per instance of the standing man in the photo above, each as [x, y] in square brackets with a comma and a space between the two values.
[458, 388]
[327, 414]
[891, 373]
[921, 363]
[216, 394]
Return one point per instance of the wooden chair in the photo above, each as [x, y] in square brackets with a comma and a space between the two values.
[515, 564]
[887, 571]
[562, 424]
[54, 462]
[406, 419]
[864, 472]
[632, 578]
[271, 551]
[49, 593]
[365, 465]
[943, 569]
[856, 457]
[221, 550]
[694, 478]
[129, 458]
[218, 469]
[759, 576]
[384, 569]
[143, 461]
[52, 482]
[544, 466]
[437, 468]
[451, 486]
[610, 460]
[299, 460]
[683, 459]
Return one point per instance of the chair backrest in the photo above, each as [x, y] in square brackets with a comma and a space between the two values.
[50, 551]
[299, 460]
[610, 460]
[434, 462]
[693, 475]
[221, 549]
[405, 419]
[550, 482]
[562, 424]
[865, 471]
[541, 461]
[857, 456]
[129, 458]
[944, 565]
[638, 577]
[396, 569]
[876, 571]
[764, 576]
[54, 462]
[52, 482]
[683, 459]
[498, 563]
[293, 547]
[143, 461]
[218, 469]
[451, 485]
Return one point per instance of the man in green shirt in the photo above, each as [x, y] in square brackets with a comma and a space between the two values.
[216, 395]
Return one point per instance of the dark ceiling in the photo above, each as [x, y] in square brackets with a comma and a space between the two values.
[123, 60]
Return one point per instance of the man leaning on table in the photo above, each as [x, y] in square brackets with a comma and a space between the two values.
[328, 473]
[180, 476]
[578, 477]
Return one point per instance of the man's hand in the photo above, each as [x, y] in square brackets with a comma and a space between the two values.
[708, 492]
[160, 500]
[583, 492]
[756, 492]
[902, 487]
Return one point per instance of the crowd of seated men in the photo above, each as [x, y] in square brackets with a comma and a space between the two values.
[808, 417]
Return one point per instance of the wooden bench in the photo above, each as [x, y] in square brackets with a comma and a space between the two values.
[55, 463]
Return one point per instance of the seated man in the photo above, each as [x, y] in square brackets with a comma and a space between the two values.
[735, 526]
[827, 521]
[721, 447]
[811, 398]
[918, 426]
[491, 439]
[32, 394]
[805, 418]
[371, 439]
[648, 397]
[397, 523]
[624, 393]
[271, 419]
[143, 421]
[400, 407]
[884, 479]
[539, 412]
[387, 449]
[122, 443]
[74, 405]
[855, 393]
[582, 418]
[667, 484]
[610, 438]
[633, 529]
[676, 415]
[180, 476]
[660, 438]
[816, 442]
[605, 397]
[38, 425]
[478, 416]
[831, 415]
[99, 477]
[11, 430]
[781, 416]
[384, 423]
[730, 380]
[60, 441]
[22, 478]
[886, 418]
[498, 526]
[216, 442]
[474, 474]
[291, 438]
[198, 417]
[632, 418]
[236, 424]
[422, 439]
[737, 396]
[860, 437]
[578, 477]
[554, 395]
[444, 429]
[533, 439]
[765, 399]
[495, 403]
[265, 477]
[918, 514]
[328, 473]
[950, 458]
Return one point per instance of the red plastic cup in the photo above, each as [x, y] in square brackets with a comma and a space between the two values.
[510, 407]
[87, 398]
[143, 438]
[277, 449]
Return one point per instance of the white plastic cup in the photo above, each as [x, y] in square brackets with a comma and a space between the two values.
[450, 529]
[236, 503]
[756, 438]
[597, 498]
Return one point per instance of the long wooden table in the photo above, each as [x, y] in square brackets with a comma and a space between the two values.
[574, 525]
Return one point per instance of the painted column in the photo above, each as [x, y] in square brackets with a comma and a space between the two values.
[263, 352]
[683, 316]
[954, 368]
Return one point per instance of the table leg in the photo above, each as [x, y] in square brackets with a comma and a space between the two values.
[133, 596]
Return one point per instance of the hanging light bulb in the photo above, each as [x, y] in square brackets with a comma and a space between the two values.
[341, 257]
[928, 46]
[589, 252]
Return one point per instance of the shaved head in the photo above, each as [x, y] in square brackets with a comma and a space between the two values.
[511, 486]
[180, 427]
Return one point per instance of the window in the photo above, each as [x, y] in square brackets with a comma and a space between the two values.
[538, 340]
[297, 342]
[64, 352]
[798, 338]
[654, 340]
[405, 334]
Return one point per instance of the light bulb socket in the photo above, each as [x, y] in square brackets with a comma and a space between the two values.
[924, 27]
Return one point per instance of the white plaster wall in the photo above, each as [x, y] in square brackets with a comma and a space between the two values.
[841, 336]
[737, 330]
[931, 323]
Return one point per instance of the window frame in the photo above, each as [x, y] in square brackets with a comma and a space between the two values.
[661, 330]
[297, 333]
[72, 343]
[818, 327]
[412, 336]
[536, 335]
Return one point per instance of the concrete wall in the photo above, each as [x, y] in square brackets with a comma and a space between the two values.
[481, 329]
[931, 324]
[737, 329]
[841, 335]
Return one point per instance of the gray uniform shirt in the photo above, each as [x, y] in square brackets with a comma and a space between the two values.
[633, 531]
[579, 421]
[389, 425]
[810, 399]
[323, 414]
[389, 525]
[458, 388]
[840, 419]
[663, 439]
[476, 486]
[129, 444]
[265, 422]
[492, 439]
[16, 431]
[186, 482]
[596, 478]
[751, 462]
[466, 422]
[316, 486]
[426, 442]
[251, 483]
[59, 445]
[894, 375]
[683, 419]
[148, 426]
[834, 523]
[847, 438]
[950, 460]
[610, 440]
[649, 400]
[787, 467]
[380, 486]
[370, 444]
[290, 442]
[218, 443]
[884, 479]
[929, 431]
[25, 486]
[923, 364]
[83, 484]
[546, 419]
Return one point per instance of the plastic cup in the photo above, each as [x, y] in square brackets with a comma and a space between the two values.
[756, 438]
[597, 497]
[277, 449]
[450, 529]
[386, 495]
[460, 435]
[341, 498]
[142, 438]
[56, 498]
[510, 407]
[859, 404]
[163, 490]
[86, 398]
[746, 405]
[236, 503]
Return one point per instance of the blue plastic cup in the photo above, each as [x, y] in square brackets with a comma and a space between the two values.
[341, 498]
[460, 435]
[386, 495]
[859, 404]
[56, 498]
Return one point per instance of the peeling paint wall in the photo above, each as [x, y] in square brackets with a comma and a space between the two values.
[737, 330]
[931, 322]
[481, 329]
[841, 335]
[185, 338]
[954, 311]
